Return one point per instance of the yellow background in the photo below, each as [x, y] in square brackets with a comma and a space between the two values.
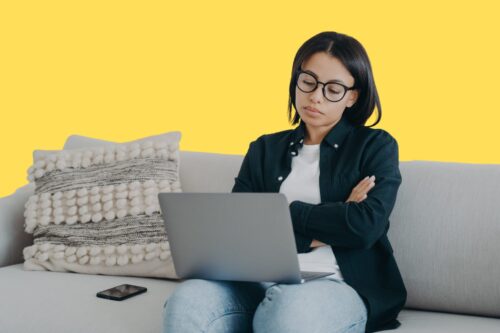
[218, 71]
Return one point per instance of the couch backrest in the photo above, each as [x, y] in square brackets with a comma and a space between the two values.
[12, 236]
[445, 231]
[208, 172]
[445, 228]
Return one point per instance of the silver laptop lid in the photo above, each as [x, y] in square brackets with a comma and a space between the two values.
[231, 236]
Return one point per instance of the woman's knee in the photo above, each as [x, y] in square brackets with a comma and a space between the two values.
[309, 308]
[198, 305]
[278, 311]
[193, 293]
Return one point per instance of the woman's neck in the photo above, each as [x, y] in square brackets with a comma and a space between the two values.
[314, 135]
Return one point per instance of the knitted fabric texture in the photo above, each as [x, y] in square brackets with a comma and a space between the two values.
[96, 210]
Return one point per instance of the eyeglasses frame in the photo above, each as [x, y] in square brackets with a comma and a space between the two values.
[346, 88]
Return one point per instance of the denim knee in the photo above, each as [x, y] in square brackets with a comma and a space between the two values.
[194, 298]
[199, 305]
[186, 292]
[317, 306]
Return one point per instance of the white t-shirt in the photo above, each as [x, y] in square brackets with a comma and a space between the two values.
[303, 184]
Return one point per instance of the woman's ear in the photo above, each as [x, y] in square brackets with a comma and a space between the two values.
[353, 98]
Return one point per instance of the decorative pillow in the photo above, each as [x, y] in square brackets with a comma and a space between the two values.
[95, 209]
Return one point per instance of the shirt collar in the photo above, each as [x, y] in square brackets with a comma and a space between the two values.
[334, 138]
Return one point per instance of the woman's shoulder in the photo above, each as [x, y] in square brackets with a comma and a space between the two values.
[275, 138]
[373, 142]
[373, 134]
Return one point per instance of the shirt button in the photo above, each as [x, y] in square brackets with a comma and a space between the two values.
[280, 178]
[294, 153]
[301, 140]
[336, 146]
[291, 143]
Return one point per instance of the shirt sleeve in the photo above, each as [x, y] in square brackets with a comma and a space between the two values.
[243, 182]
[246, 182]
[302, 242]
[356, 224]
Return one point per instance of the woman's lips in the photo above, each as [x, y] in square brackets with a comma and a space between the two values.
[311, 109]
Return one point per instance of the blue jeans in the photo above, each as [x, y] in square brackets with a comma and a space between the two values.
[321, 305]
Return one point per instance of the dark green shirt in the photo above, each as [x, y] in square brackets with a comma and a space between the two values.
[357, 232]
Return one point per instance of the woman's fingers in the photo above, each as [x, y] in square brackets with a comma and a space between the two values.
[359, 192]
[366, 184]
[370, 185]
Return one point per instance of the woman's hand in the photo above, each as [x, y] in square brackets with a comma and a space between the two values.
[359, 193]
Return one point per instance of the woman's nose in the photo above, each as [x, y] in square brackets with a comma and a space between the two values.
[317, 94]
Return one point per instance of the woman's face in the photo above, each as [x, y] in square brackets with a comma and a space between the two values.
[325, 68]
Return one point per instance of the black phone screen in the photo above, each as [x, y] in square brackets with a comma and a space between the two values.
[121, 292]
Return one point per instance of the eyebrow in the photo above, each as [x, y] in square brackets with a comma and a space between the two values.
[316, 77]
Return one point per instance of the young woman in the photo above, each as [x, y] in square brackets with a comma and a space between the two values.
[326, 167]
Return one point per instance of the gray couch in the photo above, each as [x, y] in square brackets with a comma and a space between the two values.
[445, 231]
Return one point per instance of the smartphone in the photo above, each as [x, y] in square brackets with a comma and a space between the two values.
[121, 292]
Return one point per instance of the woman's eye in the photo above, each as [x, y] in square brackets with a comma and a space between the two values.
[334, 92]
[309, 83]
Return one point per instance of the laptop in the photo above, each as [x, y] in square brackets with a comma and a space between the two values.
[232, 236]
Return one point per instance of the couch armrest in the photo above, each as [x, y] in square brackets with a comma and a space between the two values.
[13, 238]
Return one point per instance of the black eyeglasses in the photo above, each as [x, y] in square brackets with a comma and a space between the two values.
[333, 91]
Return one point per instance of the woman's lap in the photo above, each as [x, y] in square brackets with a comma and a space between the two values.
[228, 306]
[198, 305]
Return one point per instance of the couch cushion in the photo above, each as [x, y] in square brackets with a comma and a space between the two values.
[62, 302]
[445, 234]
[415, 321]
[41, 301]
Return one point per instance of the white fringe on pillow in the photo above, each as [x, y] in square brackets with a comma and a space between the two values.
[108, 255]
[96, 204]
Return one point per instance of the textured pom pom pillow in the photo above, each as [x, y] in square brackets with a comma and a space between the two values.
[95, 209]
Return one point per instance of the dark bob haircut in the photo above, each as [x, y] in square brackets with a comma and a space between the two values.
[353, 56]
